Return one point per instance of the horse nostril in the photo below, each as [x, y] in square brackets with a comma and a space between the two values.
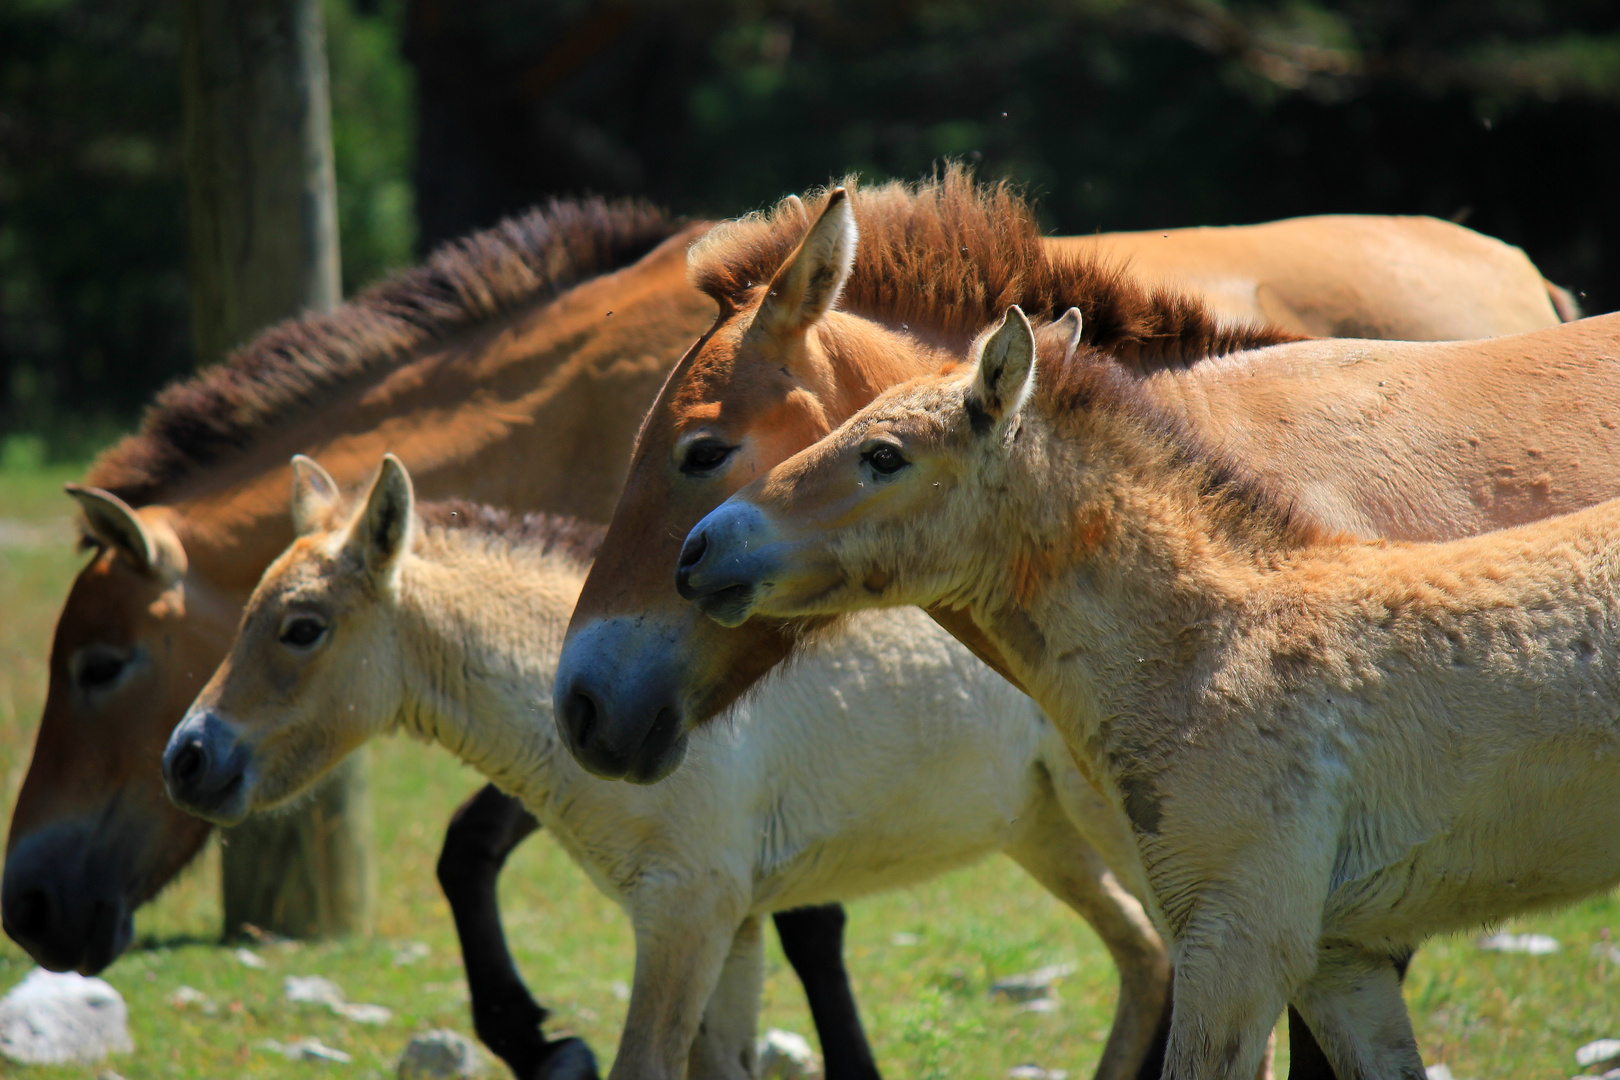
[28, 913]
[189, 764]
[693, 550]
[579, 716]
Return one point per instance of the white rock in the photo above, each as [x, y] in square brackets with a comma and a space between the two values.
[440, 1055]
[307, 1050]
[905, 940]
[190, 998]
[51, 1019]
[363, 1014]
[1032, 985]
[784, 1055]
[1531, 944]
[620, 989]
[249, 958]
[411, 953]
[1439, 1072]
[1035, 1072]
[311, 990]
[1600, 1055]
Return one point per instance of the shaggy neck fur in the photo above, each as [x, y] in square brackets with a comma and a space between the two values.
[481, 617]
[1170, 540]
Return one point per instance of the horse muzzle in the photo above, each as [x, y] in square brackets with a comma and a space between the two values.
[727, 559]
[618, 701]
[205, 769]
[64, 899]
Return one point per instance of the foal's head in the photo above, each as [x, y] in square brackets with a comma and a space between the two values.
[901, 505]
[315, 669]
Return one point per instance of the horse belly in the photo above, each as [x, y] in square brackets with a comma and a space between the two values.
[1541, 830]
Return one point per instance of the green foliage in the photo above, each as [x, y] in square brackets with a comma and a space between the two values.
[94, 306]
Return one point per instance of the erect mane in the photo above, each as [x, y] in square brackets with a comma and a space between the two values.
[1240, 501]
[953, 255]
[541, 532]
[295, 365]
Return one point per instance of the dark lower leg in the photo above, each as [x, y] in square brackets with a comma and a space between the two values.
[481, 834]
[813, 939]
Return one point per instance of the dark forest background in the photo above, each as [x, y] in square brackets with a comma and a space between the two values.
[1115, 114]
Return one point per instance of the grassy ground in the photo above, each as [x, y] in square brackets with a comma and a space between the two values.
[922, 959]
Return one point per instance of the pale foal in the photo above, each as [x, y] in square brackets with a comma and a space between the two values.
[377, 621]
[1329, 749]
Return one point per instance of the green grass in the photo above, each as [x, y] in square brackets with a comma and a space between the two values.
[925, 1005]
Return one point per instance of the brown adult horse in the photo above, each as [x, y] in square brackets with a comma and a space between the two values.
[541, 340]
[780, 368]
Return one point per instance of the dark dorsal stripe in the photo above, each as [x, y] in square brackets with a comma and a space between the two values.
[953, 254]
[293, 367]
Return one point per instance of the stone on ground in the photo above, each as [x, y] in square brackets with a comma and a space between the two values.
[784, 1055]
[1032, 986]
[440, 1055]
[58, 1019]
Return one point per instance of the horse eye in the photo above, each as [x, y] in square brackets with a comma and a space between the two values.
[885, 460]
[97, 668]
[302, 631]
[705, 456]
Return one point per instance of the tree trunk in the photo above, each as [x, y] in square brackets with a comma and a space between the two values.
[262, 204]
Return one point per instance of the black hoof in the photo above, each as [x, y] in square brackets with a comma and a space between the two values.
[568, 1059]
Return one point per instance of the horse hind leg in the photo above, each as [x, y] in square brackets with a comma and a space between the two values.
[1055, 854]
[1354, 1008]
[813, 941]
[482, 833]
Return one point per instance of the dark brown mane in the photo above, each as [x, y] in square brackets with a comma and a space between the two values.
[294, 365]
[579, 540]
[1240, 501]
[953, 255]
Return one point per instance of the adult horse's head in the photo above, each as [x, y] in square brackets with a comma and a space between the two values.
[779, 369]
[93, 835]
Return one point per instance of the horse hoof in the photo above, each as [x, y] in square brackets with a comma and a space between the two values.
[570, 1059]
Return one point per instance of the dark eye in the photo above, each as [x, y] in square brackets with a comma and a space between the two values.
[885, 460]
[705, 456]
[302, 631]
[94, 668]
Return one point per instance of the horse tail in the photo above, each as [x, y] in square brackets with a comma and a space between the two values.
[1563, 302]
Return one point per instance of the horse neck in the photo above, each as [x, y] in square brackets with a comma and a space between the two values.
[502, 390]
[481, 628]
[1122, 548]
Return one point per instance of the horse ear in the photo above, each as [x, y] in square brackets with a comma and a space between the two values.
[809, 281]
[1069, 327]
[1005, 372]
[314, 496]
[111, 521]
[382, 531]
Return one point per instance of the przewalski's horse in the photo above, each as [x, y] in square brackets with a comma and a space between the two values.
[535, 342]
[1389, 439]
[1403, 440]
[1330, 748]
[539, 341]
[447, 626]
[501, 349]
[1345, 275]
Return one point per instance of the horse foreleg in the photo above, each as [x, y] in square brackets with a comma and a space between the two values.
[1354, 1007]
[1054, 853]
[482, 833]
[684, 934]
[725, 1045]
[813, 940]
